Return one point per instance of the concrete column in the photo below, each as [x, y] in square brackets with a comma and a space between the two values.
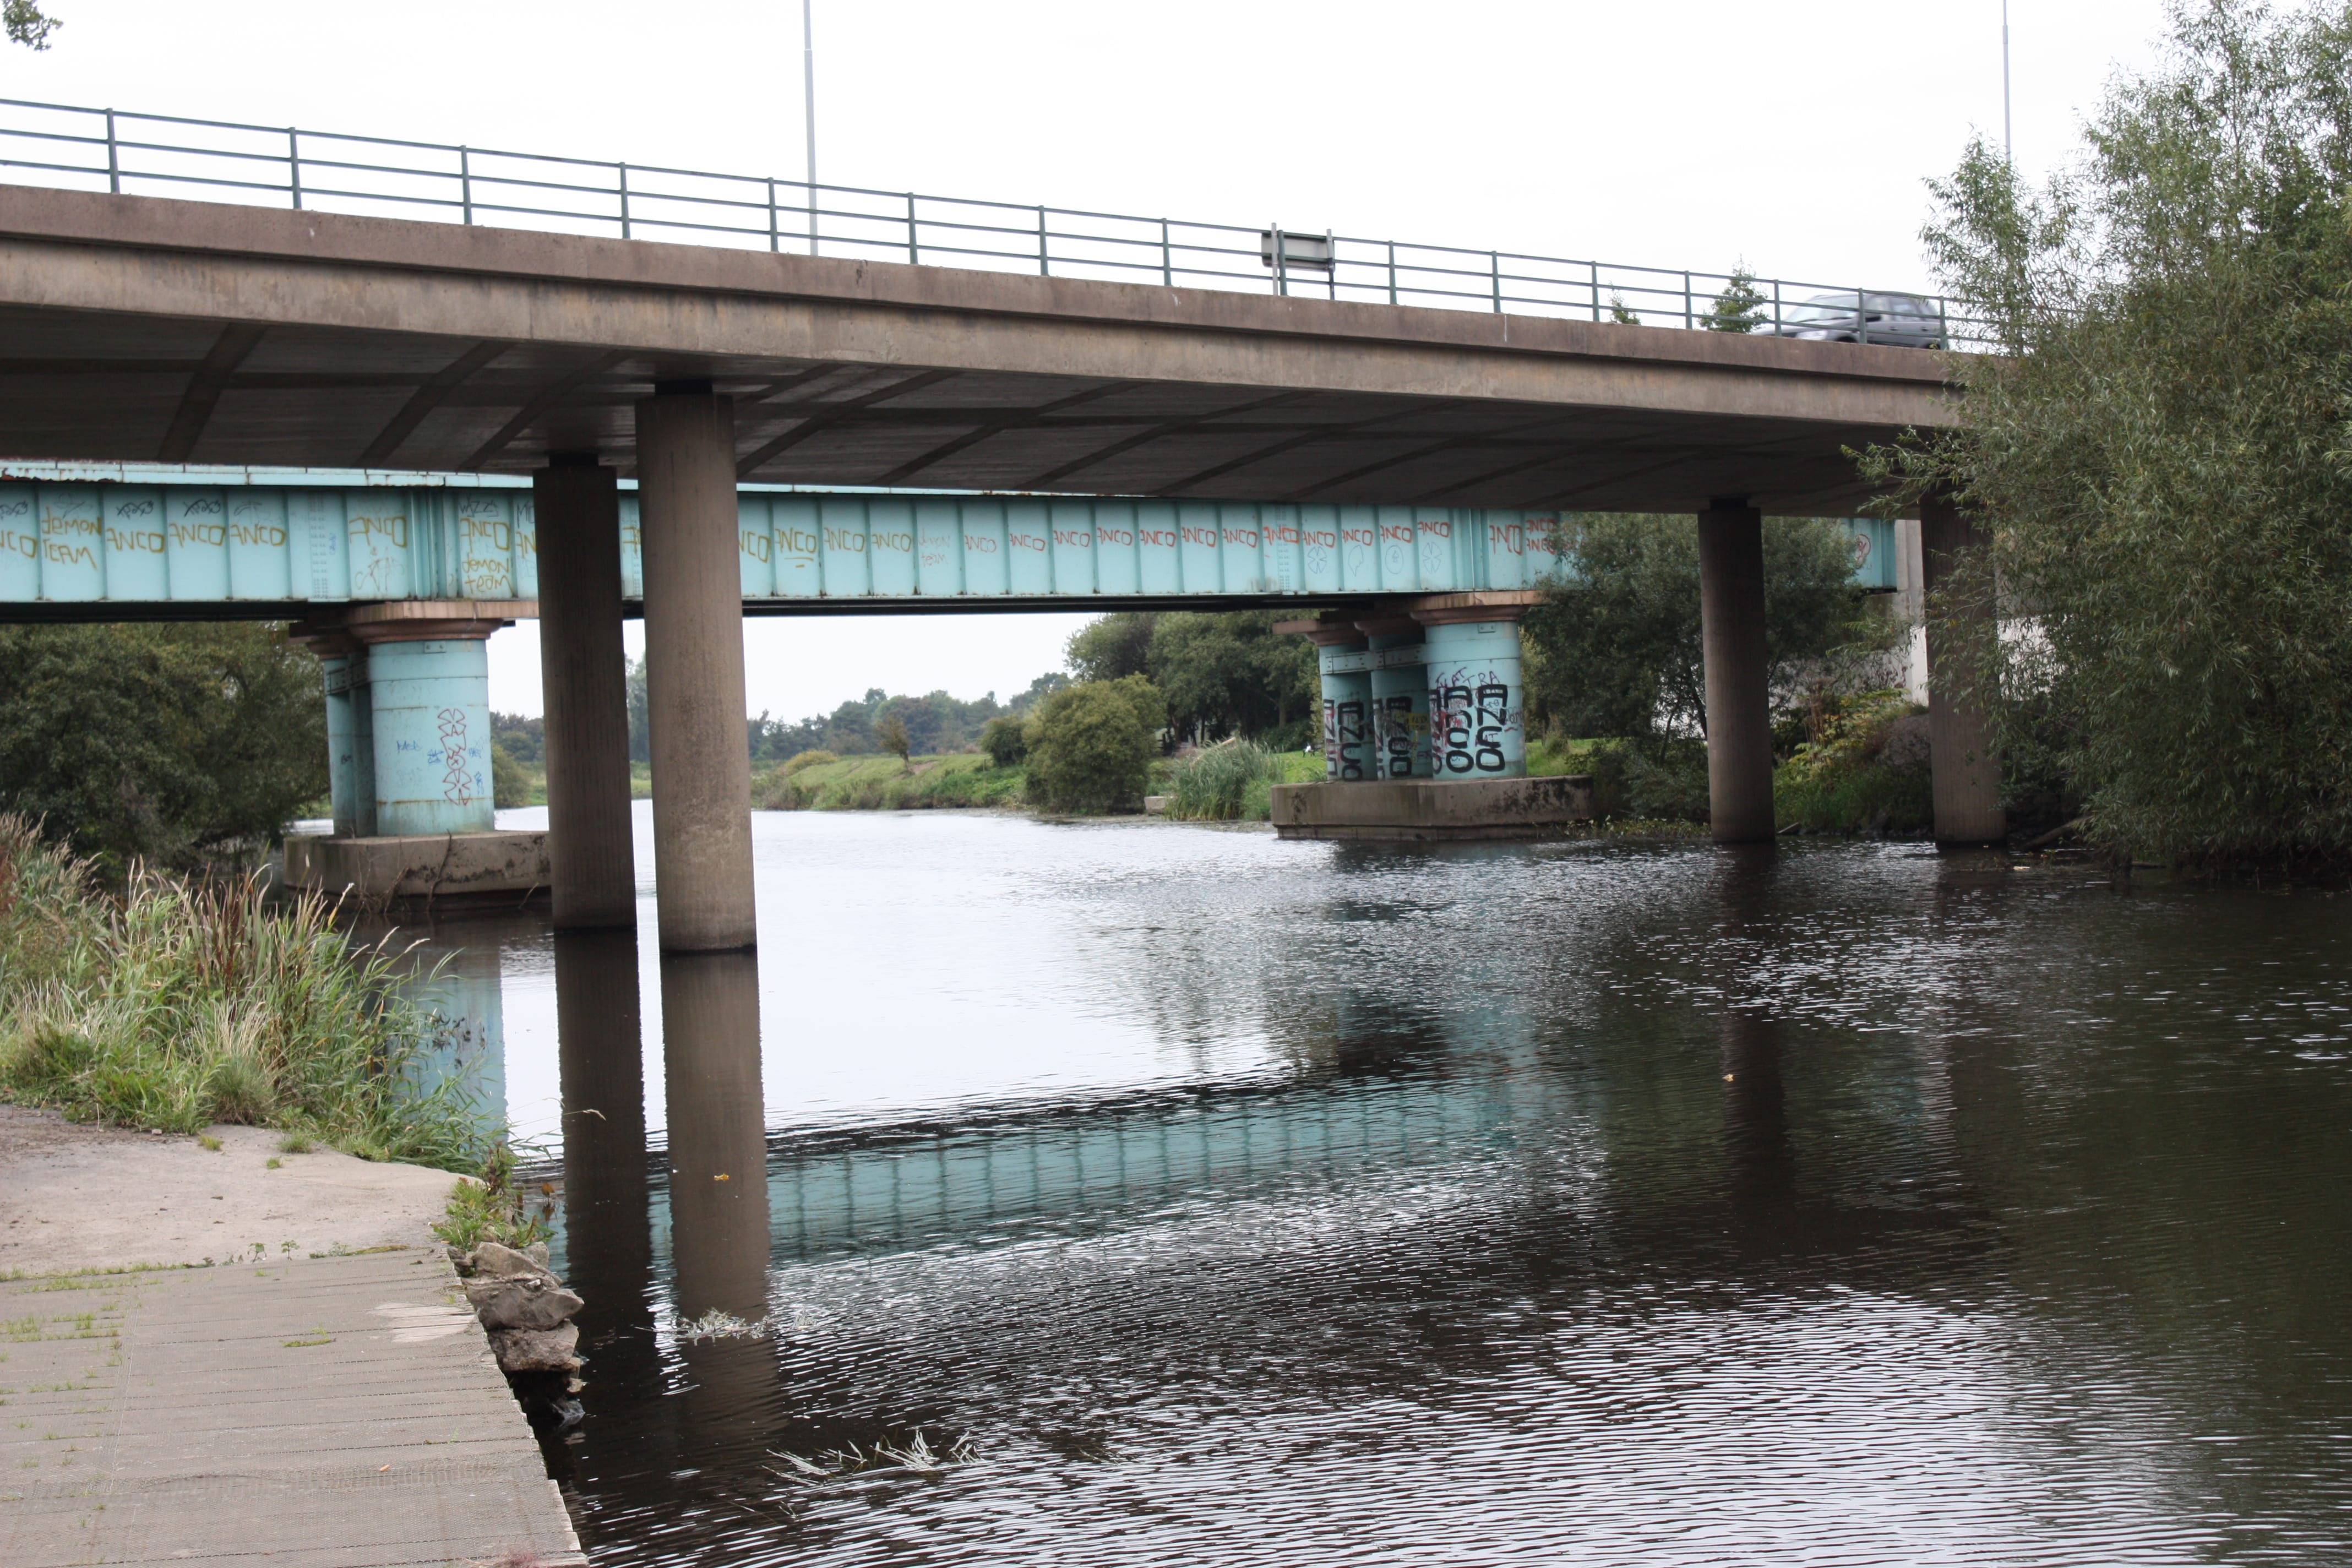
[429, 690]
[1400, 677]
[694, 670]
[584, 678]
[350, 759]
[1738, 692]
[1346, 677]
[1478, 695]
[1966, 770]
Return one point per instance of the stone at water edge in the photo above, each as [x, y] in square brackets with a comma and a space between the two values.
[496, 1257]
[521, 1300]
[536, 1350]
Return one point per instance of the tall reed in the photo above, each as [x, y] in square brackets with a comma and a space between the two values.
[1228, 781]
[188, 1003]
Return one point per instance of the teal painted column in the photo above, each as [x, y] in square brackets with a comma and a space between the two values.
[350, 758]
[1348, 751]
[429, 690]
[1478, 699]
[1400, 698]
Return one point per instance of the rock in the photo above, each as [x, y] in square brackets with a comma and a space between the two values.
[462, 1261]
[520, 1300]
[495, 1257]
[537, 1253]
[1905, 742]
[536, 1350]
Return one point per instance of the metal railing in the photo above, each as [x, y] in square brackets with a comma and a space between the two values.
[162, 155]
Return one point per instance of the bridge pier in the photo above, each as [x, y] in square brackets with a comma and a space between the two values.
[429, 704]
[694, 670]
[583, 680]
[1738, 692]
[1478, 694]
[1348, 754]
[1964, 767]
[351, 728]
[1400, 679]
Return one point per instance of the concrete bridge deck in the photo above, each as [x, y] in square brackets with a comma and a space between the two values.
[144, 329]
[327, 1413]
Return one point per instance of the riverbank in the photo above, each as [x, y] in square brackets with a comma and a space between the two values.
[79, 1196]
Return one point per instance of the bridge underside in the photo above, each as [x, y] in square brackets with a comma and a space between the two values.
[140, 330]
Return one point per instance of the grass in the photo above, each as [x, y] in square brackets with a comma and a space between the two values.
[492, 1208]
[884, 783]
[181, 1003]
[1233, 781]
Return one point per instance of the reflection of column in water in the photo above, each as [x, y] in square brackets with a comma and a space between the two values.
[718, 1189]
[607, 1221]
[459, 981]
[1759, 1161]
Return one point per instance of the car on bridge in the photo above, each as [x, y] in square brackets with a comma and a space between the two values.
[1902, 320]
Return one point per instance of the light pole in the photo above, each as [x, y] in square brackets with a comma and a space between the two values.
[808, 96]
[2008, 146]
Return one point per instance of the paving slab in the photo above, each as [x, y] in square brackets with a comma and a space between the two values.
[337, 1412]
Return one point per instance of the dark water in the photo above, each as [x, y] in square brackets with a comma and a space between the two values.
[1219, 1200]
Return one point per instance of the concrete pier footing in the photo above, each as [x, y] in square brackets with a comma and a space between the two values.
[694, 670]
[437, 872]
[1964, 766]
[1738, 695]
[584, 681]
[1430, 810]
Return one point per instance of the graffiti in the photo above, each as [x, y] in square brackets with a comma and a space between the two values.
[897, 543]
[262, 534]
[851, 539]
[1077, 539]
[24, 544]
[1158, 538]
[132, 542]
[58, 553]
[1394, 735]
[1193, 534]
[1349, 735]
[1505, 536]
[1468, 726]
[979, 544]
[1861, 549]
[1241, 538]
[755, 545]
[456, 782]
[796, 541]
[392, 529]
[187, 534]
[1119, 536]
[1035, 541]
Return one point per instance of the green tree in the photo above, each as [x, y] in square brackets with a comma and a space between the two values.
[26, 24]
[1740, 307]
[2162, 458]
[1090, 745]
[1618, 652]
[1221, 674]
[173, 743]
[1117, 646]
[1003, 739]
[891, 735]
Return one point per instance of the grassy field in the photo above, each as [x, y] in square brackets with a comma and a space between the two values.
[885, 784]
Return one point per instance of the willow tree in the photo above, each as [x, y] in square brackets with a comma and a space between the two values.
[2161, 450]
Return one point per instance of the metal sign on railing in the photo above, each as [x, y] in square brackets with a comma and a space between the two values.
[162, 155]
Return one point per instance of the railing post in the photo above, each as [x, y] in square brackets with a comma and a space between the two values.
[624, 168]
[1689, 316]
[1281, 263]
[1392, 297]
[466, 182]
[1494, 276]
[914, 251]
[1044, 270]
[113, 158]
[294, 165]
[1167, 257]
[1861, 317]
[1592, 271]
[1777, 322]
[775, 239]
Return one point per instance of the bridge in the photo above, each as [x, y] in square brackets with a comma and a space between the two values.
[145, 328]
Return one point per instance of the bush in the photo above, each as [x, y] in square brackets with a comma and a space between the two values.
[1004, 739]
[807, 760]
[1224, 782]
[1863, 767]
[173, 744]
[196, 1002]
[1652, 781]
[1091, 745]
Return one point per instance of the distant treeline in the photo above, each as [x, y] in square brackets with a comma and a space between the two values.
[934, 723]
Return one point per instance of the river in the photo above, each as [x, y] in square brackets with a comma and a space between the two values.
[1202, 1197]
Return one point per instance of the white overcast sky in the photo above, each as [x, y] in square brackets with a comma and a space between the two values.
[1793, 136]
